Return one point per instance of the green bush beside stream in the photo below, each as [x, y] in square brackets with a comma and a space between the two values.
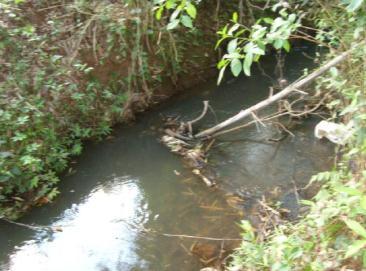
[68, 72]
[332, 235]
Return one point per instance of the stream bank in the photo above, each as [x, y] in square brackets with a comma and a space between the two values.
[115, 212]
[69, 72]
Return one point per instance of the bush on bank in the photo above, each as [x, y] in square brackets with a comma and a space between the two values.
[68, 72]
[332, 236]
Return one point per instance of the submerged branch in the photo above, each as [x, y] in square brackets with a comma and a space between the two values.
[201, 237]
[33, 227]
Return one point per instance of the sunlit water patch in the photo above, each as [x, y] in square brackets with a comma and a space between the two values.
[126, 193]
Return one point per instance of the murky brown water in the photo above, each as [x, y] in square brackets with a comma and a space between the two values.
[124, 194]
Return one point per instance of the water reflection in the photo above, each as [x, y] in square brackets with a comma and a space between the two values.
[97, 233]
[102, 215]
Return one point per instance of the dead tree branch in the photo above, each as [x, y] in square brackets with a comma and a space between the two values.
[204, 112]
[278, 96]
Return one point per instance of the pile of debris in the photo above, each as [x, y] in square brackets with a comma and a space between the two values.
[179, 140]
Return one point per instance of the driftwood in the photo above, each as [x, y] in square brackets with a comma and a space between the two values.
[294, 87]
[178, 138]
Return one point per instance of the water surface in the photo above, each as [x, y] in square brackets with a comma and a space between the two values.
[125, 193]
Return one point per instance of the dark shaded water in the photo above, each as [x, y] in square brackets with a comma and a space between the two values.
[124, 193]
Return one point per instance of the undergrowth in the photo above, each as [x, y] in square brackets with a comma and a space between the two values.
[332, 235]
[68, 72]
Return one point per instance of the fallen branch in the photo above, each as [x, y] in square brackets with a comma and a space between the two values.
[294, 87]
[204, 112]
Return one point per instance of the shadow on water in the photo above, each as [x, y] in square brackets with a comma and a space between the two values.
[124, 193]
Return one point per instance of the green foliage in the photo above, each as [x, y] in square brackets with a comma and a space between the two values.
[247, 45]
[332, 232]
[45, 111]
[183, 12]
[68, 76]
[332, 236]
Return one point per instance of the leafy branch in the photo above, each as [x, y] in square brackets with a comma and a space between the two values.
[183, 12]
[247, 45]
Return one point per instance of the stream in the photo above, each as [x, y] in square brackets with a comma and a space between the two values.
[123, 195]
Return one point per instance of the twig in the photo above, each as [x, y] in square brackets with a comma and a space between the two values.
[276, 115]
[32, 227]
[176, 135]
[204, 112]
[200, 237]
[209, 145]
[289, 112]
[186, 249]
[266, 207]
[295, 191]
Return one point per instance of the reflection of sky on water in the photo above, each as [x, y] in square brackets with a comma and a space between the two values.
[95, 235]
[99, 231]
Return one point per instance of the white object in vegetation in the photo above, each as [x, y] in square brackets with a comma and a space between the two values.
[335, 132]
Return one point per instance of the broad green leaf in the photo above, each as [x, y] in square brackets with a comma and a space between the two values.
[355, 248]
[191, 10]
[187, 21]
[248, 48]
[278, 44]
[170, 4]
[277, 23]
[236, 67]
[268, 20]
[233, 29]
[283, 12]
[261, 45]
[258, 51]
[356, 227]
[259, 33]
[286, 46]
[159, 12]
[231, 47]
[248, 63]
[292, 18]
[173, 24]
[232, 55]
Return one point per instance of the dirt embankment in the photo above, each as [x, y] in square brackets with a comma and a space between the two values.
[71, 71]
